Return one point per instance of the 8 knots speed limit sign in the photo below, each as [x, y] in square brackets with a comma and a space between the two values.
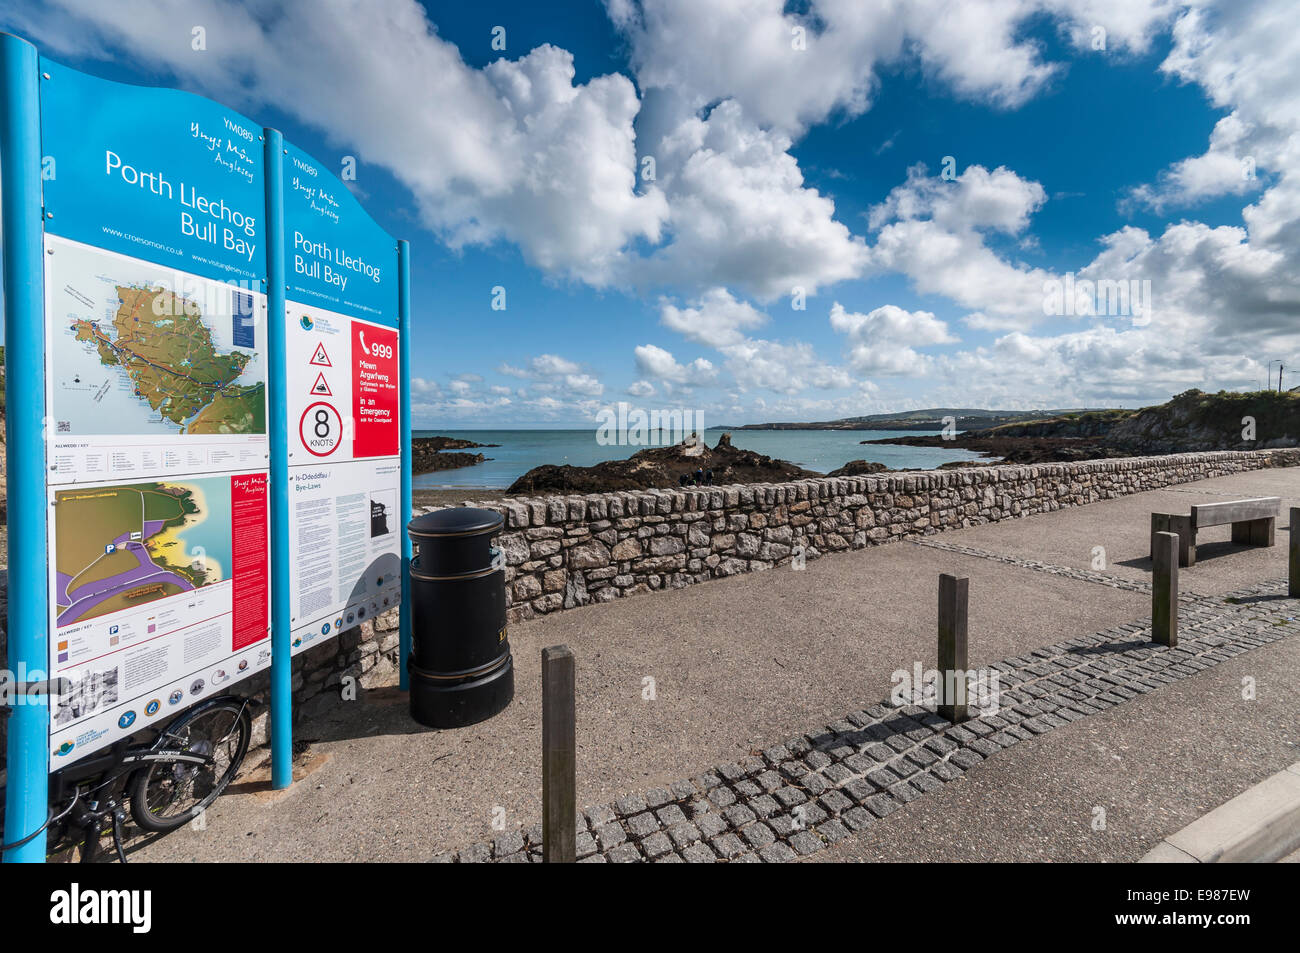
[320, 428]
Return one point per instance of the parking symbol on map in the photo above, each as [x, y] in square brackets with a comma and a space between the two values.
[320, 429]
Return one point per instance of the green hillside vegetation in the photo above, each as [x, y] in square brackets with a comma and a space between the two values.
[930, 418]
[1193, 420]
[1085, 423]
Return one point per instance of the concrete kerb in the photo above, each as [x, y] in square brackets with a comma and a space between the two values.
[1260, 825]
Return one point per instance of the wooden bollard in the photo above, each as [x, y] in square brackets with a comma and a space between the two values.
[1164, 589]
[951, 690]
[559, 757]
[1293, 578]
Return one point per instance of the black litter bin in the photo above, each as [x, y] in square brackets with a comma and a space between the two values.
[460, 664]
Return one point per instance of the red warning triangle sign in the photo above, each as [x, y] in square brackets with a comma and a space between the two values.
[321, 388]
[320, 357]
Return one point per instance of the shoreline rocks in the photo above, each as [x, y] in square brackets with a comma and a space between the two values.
[1015, 450]
[858, 468]
[662, 468]
[430, 453]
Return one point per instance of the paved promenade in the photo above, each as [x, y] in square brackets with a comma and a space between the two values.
[765, 739]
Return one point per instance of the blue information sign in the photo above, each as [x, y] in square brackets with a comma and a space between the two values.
[156, 246]
[343, 370]
[157, 360]
[158, 174]
[336, 255]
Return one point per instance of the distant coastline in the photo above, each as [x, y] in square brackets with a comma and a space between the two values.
[932, 418]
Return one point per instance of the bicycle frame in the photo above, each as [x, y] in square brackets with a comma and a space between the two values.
[119, 761]
[100, 773]
[164, 733]
[122, 755]
[106, 765]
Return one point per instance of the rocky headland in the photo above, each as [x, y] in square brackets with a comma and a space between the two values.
[432, 453]
[1018, 450]
[1192, 421]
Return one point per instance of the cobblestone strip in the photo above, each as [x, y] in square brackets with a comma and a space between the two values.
[1084, 575]
[1194, 491]
[794, 799]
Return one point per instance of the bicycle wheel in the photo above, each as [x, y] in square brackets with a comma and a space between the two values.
[166, 795]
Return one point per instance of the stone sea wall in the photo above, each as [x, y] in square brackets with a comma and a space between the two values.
[562, 552]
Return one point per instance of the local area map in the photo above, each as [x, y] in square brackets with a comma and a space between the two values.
[160, 341]
[143, 350]
[118, 547]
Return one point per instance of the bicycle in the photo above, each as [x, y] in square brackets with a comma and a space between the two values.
[165, 784]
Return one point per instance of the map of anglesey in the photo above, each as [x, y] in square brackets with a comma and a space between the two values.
[118, 547]
[161, 342]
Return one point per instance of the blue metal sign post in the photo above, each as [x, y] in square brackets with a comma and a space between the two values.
[20, 245]
[404, 330]
[278, 433]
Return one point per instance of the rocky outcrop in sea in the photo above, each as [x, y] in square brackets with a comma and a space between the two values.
[431, 453]
[690, 462]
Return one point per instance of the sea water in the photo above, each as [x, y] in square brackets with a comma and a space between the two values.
[819, 450]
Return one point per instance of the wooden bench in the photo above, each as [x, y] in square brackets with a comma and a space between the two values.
[1254, 523]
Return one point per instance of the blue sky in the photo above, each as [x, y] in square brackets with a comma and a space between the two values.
[795, 146]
